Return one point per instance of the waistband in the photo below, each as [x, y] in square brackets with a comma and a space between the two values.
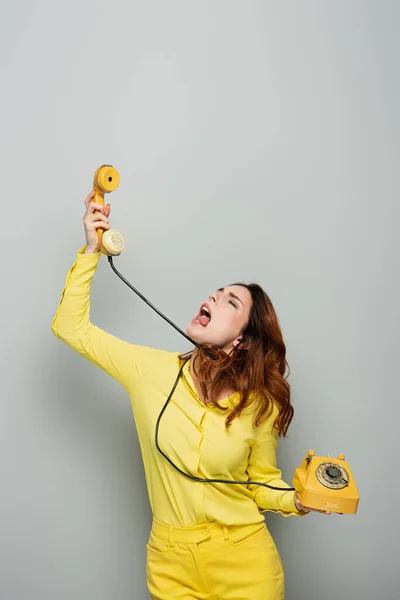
[202, 532]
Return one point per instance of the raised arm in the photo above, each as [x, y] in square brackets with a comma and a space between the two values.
[125, 362]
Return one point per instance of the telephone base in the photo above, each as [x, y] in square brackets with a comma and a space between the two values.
[326, 484]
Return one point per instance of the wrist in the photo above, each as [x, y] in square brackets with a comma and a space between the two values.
[91, 250]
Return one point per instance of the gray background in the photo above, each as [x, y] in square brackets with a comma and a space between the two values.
[255, 141]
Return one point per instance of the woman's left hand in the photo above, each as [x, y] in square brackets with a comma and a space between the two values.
[302, 508]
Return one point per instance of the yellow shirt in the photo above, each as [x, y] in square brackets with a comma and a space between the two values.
[192, 434]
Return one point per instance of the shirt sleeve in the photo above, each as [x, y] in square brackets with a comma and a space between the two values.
[263, 468]
[122, 360]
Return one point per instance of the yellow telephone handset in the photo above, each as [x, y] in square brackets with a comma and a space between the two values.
[106, 180]
[325, 483]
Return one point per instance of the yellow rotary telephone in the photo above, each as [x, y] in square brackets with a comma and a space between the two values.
[325, 483]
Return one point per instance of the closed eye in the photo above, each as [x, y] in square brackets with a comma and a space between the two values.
[233, 304]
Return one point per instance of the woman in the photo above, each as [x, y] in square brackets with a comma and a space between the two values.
[208, 540]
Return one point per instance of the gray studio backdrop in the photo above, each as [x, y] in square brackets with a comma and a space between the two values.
[256, 141]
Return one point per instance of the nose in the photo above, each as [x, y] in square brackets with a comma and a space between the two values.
[213, 298]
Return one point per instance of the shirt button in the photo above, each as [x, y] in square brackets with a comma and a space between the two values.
[206, 531]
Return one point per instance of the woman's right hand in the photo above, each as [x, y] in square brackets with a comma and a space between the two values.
[93, 221]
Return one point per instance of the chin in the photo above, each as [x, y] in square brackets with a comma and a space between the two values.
[200, 335]
[193, 332]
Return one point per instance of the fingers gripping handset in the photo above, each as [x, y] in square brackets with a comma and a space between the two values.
[106, 179]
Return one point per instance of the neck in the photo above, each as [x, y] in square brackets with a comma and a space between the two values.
[226, 392]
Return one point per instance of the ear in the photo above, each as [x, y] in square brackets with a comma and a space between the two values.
[239, 341]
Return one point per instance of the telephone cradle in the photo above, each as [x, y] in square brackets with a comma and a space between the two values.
[325, 483]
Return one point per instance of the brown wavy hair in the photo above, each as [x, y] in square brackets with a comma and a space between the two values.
[256, 368]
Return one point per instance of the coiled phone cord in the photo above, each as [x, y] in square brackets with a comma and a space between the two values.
[192, 477]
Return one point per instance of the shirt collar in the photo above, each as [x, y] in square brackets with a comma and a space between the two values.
[224, 403]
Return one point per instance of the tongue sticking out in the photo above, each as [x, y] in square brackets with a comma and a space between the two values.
[204, 321]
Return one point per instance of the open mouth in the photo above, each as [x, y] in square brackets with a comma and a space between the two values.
[204, 316]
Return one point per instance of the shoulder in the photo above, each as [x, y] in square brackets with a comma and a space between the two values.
[159, 355]
[152, 361]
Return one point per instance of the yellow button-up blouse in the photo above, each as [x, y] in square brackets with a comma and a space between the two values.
[191, 433]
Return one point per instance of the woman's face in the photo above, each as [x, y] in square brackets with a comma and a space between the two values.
[222, 319]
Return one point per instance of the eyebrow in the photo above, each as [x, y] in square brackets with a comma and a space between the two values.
[231, 294]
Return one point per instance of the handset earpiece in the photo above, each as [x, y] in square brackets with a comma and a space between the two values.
[106, 180]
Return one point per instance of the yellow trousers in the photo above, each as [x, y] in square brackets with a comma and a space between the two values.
[213, 562]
